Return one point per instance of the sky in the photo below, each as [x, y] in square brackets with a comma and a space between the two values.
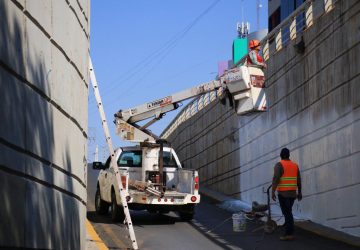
[144, 50]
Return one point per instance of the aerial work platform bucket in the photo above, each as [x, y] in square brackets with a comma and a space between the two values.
[246, 85]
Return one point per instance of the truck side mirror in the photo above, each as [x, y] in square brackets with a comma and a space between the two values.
[98, 165]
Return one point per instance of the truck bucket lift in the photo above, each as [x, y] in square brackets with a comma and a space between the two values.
[244, 84]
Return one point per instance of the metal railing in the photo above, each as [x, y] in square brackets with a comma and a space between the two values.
[289, 29]
[294, 25]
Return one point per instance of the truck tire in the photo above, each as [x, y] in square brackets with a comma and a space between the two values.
[151, 210]
[117, 212]
[187, 213]
[101, 206]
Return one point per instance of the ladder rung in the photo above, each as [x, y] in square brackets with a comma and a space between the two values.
[111, 150]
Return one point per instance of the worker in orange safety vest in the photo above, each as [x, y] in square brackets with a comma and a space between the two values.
[287, 182]
[253, 58]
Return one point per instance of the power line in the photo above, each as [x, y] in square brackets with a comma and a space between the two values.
[133, 91]
[93, 107]
[160, 53]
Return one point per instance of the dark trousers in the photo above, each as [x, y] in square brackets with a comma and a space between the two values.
[286, 205]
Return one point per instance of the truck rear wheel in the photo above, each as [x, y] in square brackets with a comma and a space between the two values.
[117, 212]
[101, 206]
[187, 212]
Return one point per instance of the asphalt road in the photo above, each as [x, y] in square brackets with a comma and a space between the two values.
[211, 228]
[153, 231]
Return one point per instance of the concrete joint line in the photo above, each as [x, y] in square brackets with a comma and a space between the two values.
[42, 182]
[42, 94]
[37, 24]
[309, 134]
[42, 160]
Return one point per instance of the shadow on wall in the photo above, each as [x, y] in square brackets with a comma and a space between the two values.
[38, 206]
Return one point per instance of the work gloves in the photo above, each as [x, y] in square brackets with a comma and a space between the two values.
[273, 196]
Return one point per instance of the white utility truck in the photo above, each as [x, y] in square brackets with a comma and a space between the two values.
[151, 174]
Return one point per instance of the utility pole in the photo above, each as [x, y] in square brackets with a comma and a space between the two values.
[258, 6]
[96, 154]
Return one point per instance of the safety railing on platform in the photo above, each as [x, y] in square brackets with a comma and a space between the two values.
[289, 29]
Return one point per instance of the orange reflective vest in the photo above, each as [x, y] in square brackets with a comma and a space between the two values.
[288, 181]
[253, 58]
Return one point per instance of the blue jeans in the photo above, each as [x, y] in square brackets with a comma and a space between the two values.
[286, 205]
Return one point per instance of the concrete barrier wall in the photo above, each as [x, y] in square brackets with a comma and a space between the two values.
[314, 110]
[44, 89]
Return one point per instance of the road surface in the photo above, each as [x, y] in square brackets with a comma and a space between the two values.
[210, 229]
[154, 231]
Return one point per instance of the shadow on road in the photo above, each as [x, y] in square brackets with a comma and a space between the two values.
[139, 218]
[95, 218]
[216, 225]
[142, 218]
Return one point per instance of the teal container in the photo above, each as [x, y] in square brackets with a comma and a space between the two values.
[239, 49]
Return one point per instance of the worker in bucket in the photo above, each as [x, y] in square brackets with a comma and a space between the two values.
[253, 58]
[287, 182]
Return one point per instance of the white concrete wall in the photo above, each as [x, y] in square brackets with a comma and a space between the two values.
[43, 104]
[314, 110]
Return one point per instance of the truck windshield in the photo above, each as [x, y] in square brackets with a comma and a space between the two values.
[130, 159]
[134, 159]
[169, 160]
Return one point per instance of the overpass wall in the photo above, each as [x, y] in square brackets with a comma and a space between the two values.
[43, 105]
[314, 110]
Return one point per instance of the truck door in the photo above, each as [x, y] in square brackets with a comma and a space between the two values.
[104, 181]
[132, 161]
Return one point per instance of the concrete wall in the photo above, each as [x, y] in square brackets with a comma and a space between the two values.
[314, 110]
[43, 106]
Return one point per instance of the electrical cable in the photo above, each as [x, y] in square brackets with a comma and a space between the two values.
[163, 51]
[92, 102]
[218, 225]
[257, 242]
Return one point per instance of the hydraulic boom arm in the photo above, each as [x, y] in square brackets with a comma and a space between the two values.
[126, 120]
[245, 85]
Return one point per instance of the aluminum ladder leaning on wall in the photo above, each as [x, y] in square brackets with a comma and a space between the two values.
[113, 164]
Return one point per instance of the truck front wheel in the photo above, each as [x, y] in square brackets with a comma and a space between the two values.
[117, 212]
[101, 207]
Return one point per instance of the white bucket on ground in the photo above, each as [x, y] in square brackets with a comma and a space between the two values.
[239, 222]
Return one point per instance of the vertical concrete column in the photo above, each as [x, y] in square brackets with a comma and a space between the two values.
[328, 5]
[309, 15]
[266, 50]
[293, 29]
[278, 41]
